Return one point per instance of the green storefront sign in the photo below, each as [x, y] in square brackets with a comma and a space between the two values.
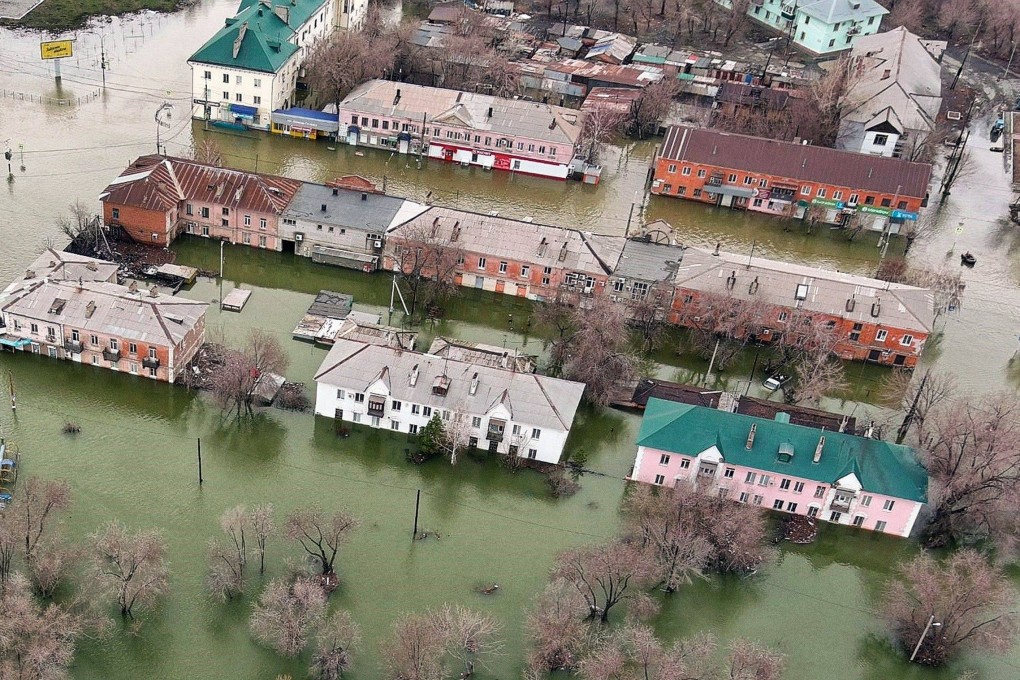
[828, 203]
[872, 210]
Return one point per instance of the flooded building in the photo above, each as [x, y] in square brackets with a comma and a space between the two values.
[462, 127]
[250, 67]
[70, 307]
[829, 476]
[484, 406]
[789, 179]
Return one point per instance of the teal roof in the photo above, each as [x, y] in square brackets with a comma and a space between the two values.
[881, 467]
[265, 45]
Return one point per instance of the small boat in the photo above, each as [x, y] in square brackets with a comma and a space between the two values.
[967, 259]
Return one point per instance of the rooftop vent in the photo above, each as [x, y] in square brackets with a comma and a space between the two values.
[543, 244]
[92, 266]
[552, 125]
[474, 384]
[323, 208]
[336, 192]
[30, 274]
[818, 449]
[802, 291]
[489, 113]
[441, 385]
[153, 291]
[750, 436]
[563, 252]
[876, 308]
[396, 99]
[785, 452]
[57, 306]
[851, 302]
[364, 196]
[414, 375]
[90, 309]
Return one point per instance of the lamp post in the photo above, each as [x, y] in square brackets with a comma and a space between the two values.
[932, 623]
[164, 108]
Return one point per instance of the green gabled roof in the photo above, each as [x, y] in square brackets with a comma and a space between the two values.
[881, 467]
[265, 46]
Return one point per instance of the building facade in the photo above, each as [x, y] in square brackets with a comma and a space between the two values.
[818, 26]
[829, 476]
[250, 67]
[485, 407]
[77, 311]
[156, 198]
[505, 256]
[789, 179]
[462, 127]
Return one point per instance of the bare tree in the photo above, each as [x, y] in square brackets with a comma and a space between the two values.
[36, 642]
[320, 534]
[10, 542]
[428, 258]
[470, 637]
[416, 649]
[736, 18]
[652, 106]
[34, 509]
[456, 435]
[235, 382]
[973, 603]
[722, 325]
[559, 321]
[751, 660]
[599, 352]
[286, 614]
[916, 395]
[52, 566]
[131, 567]
[335, 642]
[558, 628]
[85, 230]
[344, 60]
[601, 124]
[604, 573]
[971, 450]
[207, 151]
[261, 520]
[228, 556]
[826, 98]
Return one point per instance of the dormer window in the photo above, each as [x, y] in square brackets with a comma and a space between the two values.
[441, 386]
[785, 452]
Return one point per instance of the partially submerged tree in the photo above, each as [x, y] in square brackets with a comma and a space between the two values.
[207, 151]
[916, 395]
[344, 60]
[558, 628]
[335, 642]
[320, 534]
[652, 107]
[751, 660]
[286, 613]
[131, 567]
[33, 511]
[604, 574]
[427, 257]
[601, 124]
[236, 382]
[598, 350]
[964, 603]
[416, 649]
[228, 556]
[262, 527]
[36, 642]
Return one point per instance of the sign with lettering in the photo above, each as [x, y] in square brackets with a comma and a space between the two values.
[56, 49]
[828, 203]
[872, 210]
[904, 215]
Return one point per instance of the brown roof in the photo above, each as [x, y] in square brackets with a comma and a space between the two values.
[671, 391]
[158, 183]
[797, 161]
[799, 415]
[750, 95]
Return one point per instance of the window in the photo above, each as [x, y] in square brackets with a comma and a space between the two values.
[257, 82]
[681, 191]
[869, 200]
[785, 484]
[685, 463]
[237, 80]
[386, 125]
[749, 479]
[189, 209]
[835, 516]
[880, 525]
[888, 505]
[697, 193]
[664, 459]
[204, 212]
[791, 507]
[907, 340]
[114, 345]
[783, 316]
[672, 168]
[481, 263]
[744, 496]
[535, 433]
[226, 78]
[116, 213]
[798, 487]
[832, 42]
[763, 182]
[256, 100]
[666, 188]
[820, 492]
[764, 480]
[777, 504]
[659, 479]
[132, 348]
[415, 409]
[359, 398]
[732, 177]
[821, 192]
[748, 180]
[881, 335]
[74, 335]
[853, 199]
[881, 140]
[701, 172]
[502, 267]
[532, 454]
[902, 205]
[224, 222]
[394, 425]
[226, 95]
[426, 411]
[207, 75]
[34, 327]
[871, 20]
[758, 499]
[375, 124]
[838, 195]
[812, 511]
[858, 520]
[525, 271]
[396, 405]
[728, 473]
[238, 97]
[412, 429]
[94, 340]
[685, 171]
[247, 239]
[262, 224]
[476, 422]
[247, 220]
[805, 190]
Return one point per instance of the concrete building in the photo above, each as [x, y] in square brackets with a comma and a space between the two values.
[819, 27]
[70, 307]
[831, 476]
[156, 198]
[496, 409]
[506, 256]
[895, 94]
[250, 67]
[462, 127]
[345, 222]
[789, 179]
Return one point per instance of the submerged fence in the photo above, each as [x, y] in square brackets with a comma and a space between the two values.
[43, 99]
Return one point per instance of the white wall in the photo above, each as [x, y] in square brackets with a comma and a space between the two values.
[261, 90]
[870, 147]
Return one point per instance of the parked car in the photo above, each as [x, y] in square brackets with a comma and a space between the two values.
[775, 381]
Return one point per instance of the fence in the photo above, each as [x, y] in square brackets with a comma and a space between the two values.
[42, 99]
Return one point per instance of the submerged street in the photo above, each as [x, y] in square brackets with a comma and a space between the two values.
[135, 459]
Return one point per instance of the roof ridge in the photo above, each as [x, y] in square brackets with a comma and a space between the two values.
[342, 361]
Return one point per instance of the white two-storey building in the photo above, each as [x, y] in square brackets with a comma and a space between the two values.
[495, 409]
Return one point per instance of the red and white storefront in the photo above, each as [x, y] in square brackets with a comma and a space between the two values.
[491, 160]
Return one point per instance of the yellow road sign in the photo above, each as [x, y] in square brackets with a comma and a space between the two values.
[56, 49]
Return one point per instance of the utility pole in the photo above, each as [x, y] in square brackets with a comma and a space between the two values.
[1005, 74]
[417, 504]
[200, 461]
[165, 107]
[965, 55]
[102, 57]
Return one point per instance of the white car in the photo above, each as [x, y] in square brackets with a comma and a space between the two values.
[774, 382]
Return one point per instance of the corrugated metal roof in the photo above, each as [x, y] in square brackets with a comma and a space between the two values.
[797, 161]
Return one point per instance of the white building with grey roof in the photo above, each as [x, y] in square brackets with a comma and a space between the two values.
[468, 128]
[497, 409]
[70, 307]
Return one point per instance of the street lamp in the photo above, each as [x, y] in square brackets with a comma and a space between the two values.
[932, 623]
[164, 108]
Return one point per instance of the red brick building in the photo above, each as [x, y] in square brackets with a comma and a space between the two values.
[788, 179]
[156, 198]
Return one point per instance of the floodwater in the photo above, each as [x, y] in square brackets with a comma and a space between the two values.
[135, 459]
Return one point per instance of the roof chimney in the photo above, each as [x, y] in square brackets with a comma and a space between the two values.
[90, 309]
[474, 384]
[323, 208]
[489, 114]
[563, 252]
[336, 192]
[364, 196]
[818, 449]
[414, 375]
[750, 436]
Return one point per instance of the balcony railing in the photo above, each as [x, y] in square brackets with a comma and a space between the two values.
[494, 435]
[73, 346]
[840, 505]
[150, 362]
[376, 408]
[111, 354]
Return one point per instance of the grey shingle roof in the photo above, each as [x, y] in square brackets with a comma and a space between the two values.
[357, 210]
[838, 11]
[533, 399]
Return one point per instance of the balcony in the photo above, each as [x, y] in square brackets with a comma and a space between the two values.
[111, 354]
[150, 362]
[841, 503]
[495, 431]
[51, 339]
[73, 346]
[715, 181]
[376, 407]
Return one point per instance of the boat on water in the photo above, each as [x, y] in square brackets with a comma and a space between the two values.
[968, 260]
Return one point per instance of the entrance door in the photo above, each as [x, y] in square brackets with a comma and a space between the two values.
[899, 360]
[874, 355]
[403, 146]
[479, 281]
[448, 154]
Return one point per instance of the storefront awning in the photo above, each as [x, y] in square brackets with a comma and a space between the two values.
[243, 111]
[726, 190]
[307, 118]
[13, 341]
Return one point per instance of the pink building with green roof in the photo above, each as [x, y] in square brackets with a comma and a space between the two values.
[832, 476]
